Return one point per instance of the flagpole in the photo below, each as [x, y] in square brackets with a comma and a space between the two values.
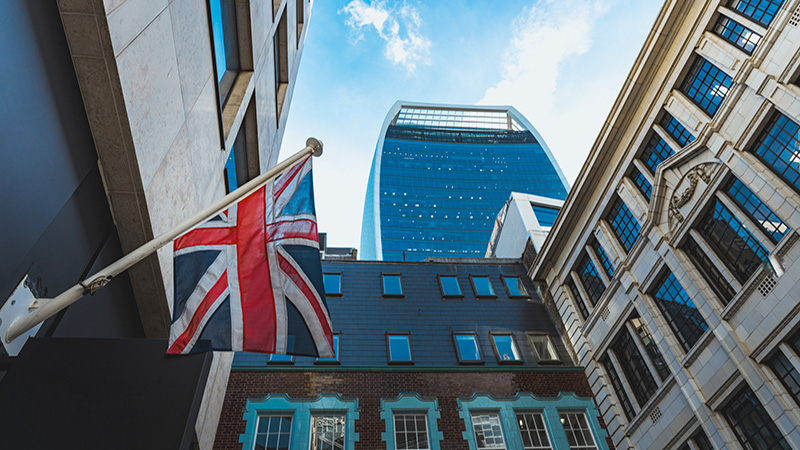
[43, 308]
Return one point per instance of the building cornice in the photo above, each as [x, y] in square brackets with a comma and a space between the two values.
[600, 160]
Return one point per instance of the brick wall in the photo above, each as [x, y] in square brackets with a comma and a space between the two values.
[370, 387]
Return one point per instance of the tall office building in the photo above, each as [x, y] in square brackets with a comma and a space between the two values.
[675, 262]
[440, 174]
[121, 116]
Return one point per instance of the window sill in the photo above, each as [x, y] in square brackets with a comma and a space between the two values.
[486, 297]
[327, 363]
[452, 297]
[401, 363]
[505, 362]
[280, 363]
[471, 363]
[393, 296]
[644, 413]
[550, 362]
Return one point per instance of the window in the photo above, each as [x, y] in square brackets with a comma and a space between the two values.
[488, 431]
[578, 299]
[335, 359]
[787, 374]
[579, 435]
[751, 423]
[641, 182]
[777, 147]
[410, 422]
[714, 278]
[327, 432]
[273, 432]
[700, 441]
[467, 348]
[515, 287]
[284, 359]
[650, 347]
[655, 152]
[411, 432]
[706, 85]
[482, 286]
[619, 389]
[543, 348]
[332, 283]
[231, 182]
[300, 19]
[449, 286]
[634, 367]
[277, 421]
[732, 241]
[545, 215]
[392, 287]
[506, 349]
[533, 431]
[608, 267]
[399, 348]
[280, 52]
[761, 11]
[674, 128]
[756, 210]
[623, 224]
[679, 310]
[236, 166]
[737, 34]
[225, 44]
[590, 278]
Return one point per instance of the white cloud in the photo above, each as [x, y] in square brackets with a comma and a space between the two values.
[398, 26]
[545, 37]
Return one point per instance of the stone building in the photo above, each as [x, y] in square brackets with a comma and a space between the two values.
[674, 260]
[120, 119]
[444, 354]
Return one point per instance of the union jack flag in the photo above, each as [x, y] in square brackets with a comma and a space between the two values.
[251, 277]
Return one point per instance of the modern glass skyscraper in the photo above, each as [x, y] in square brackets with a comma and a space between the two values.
[440, 175]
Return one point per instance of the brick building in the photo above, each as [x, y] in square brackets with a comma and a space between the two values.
[441, 354]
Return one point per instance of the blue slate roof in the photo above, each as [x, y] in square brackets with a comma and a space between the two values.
[362, 315]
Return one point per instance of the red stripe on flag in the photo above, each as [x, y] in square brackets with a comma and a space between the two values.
[255, 284]
[288, 229]
[206, 236]
[183, 340]
[308, 292]
[284, 181]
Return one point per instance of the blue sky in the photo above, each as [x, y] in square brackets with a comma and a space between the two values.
[561, 63]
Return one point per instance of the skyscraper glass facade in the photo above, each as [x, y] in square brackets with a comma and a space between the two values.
[441, 173]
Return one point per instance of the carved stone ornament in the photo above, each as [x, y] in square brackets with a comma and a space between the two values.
[698, 172]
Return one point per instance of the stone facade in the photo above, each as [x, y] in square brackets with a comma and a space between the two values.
[164, 128]
[678, 309]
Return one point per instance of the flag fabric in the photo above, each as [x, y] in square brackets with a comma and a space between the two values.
[251, 277]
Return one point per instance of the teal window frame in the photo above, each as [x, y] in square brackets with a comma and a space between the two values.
[301, 411]
[411, 403]
[549, 407]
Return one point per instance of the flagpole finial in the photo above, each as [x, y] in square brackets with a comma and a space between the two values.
[316, 145]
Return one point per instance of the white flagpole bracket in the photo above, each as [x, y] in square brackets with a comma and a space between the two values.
[15, 325]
